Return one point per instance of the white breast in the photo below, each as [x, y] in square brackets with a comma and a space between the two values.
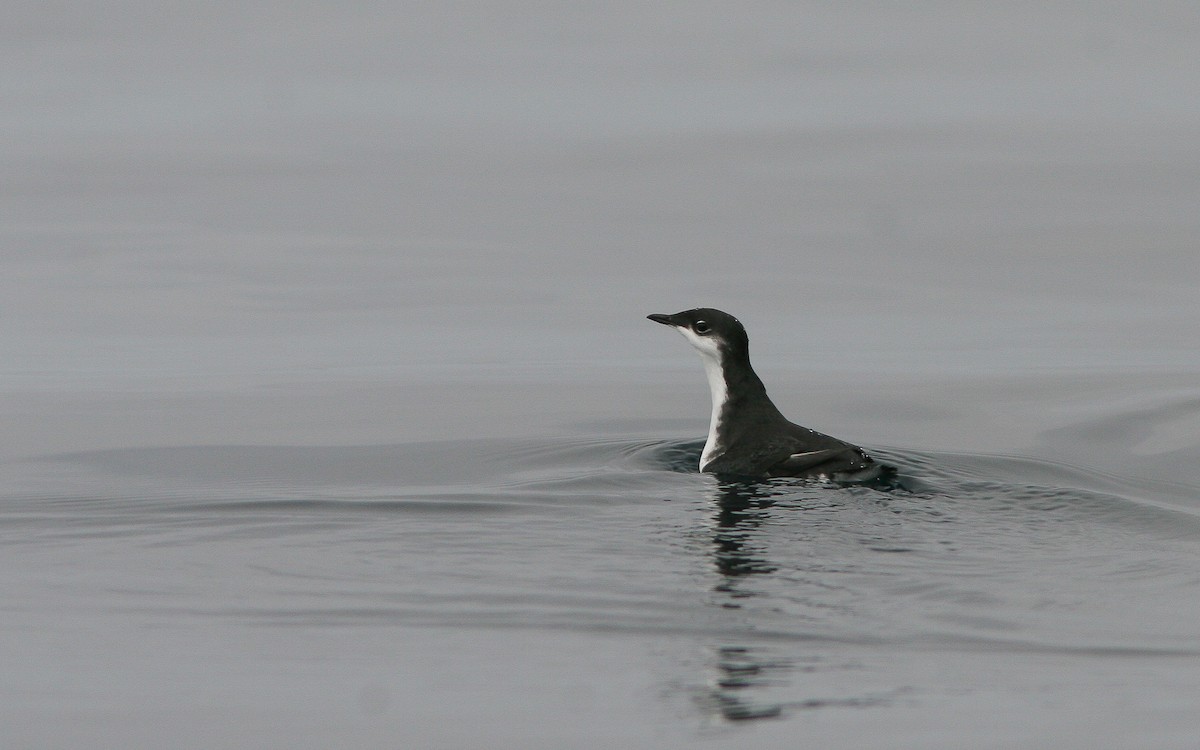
[710, 354]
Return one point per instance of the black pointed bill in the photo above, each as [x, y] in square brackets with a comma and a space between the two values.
[660, 318]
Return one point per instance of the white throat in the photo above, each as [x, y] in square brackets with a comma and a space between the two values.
[710, 354]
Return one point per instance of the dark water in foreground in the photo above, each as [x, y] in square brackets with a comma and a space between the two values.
[456, 593]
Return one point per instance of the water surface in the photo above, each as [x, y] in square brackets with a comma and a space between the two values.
[331, 417]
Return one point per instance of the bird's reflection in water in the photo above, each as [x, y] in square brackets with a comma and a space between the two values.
[740, 672]
[741, 508]
[745, 679]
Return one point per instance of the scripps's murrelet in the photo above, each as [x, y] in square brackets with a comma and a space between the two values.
[747, 435]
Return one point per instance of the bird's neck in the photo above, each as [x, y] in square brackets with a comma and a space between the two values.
[734, 386]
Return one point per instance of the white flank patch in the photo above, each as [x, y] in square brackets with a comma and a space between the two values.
[710, 354]
[808, 453]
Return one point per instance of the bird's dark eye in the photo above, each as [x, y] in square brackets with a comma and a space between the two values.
[700, 327]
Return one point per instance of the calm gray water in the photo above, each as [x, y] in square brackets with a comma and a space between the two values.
[331, 417]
